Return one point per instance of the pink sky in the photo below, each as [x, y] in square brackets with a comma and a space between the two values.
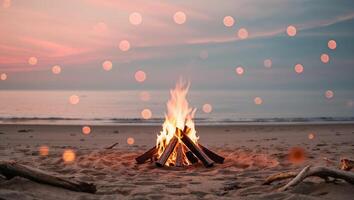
[80, 31]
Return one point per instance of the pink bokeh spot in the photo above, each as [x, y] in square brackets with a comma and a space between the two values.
[32, 61]
[332, 44]
[107, 65]
[124, 45]
[240, 70]
[228, 21]
[291, 31]
[207, 108]
[135, 18]
[3, 76]
[56, 69]
[140, 76]
[258, 100]
[329, 94]
[146, 113]
[242, 33]
[299, 68]
[180, 17]
[325, 58]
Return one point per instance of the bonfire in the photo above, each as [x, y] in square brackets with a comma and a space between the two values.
[177, 143]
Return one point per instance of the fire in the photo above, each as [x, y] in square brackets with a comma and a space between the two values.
[178, 115]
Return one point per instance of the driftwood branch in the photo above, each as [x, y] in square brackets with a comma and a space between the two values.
[322, 172]
[112, 146]
[12, 169]
[279, 176]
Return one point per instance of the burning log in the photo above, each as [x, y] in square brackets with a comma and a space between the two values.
[215, 157]
[179, 159]
[169, 149]
[191, 157]
[147, 155]
[12, 169]
[207, 162]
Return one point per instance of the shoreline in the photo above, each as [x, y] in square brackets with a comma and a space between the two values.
[133, 124]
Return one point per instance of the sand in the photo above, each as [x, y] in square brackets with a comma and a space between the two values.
[252, 153]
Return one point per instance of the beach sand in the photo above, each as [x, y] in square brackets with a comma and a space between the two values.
[252, 153]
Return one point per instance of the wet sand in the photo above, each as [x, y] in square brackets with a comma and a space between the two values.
[252, 153]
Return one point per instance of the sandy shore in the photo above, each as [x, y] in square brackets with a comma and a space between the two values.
[252, 153]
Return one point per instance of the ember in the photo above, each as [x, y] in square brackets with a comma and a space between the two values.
[177, 144]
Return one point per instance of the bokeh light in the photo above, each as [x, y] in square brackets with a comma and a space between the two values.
[258, 100]
[130, 141]
[43, 150]
[124, 45]
[146, 113]
[69, 156]
[74, 99]
[296, 155]
[86, 130]
[242, 33]
[135, 18]
[179, 17]
[239, 70]
[203, 54]
[299, 68]
[145, 96]
[329, 94]
[267, 63]
[228, 21]
[332, 44]
[3, 76]
[107, 65]
[56, 69]
[311, 136]
[207, 108]
[32, 61]
[6, 3]
[291, 31]
[140, 76]
[350, 103]
[325, 58]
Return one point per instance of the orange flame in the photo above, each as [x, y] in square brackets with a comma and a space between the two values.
[179, 114]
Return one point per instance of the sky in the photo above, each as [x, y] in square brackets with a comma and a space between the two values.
[171, 39]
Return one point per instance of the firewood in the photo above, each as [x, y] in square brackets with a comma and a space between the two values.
[146, 156]
[322, 172]
[215, 157]
[179, 158]
[191, 157]
[167, 152]
[197, 151]
[12, 169]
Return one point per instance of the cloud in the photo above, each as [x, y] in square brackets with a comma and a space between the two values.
[53, 49]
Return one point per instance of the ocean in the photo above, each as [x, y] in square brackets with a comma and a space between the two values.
[124, 107]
